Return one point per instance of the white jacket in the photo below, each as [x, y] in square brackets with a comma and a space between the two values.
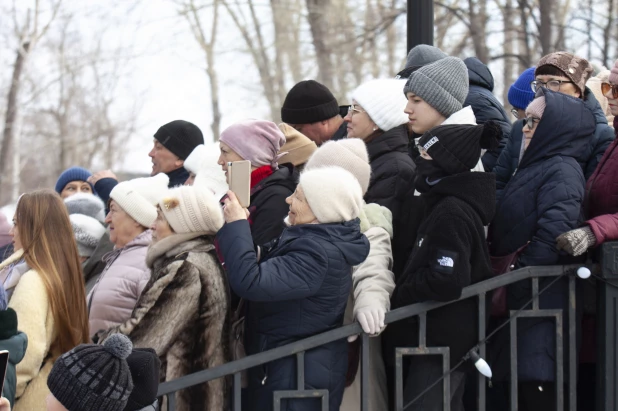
[372, 281]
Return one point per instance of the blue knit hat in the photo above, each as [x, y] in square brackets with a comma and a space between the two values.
[72, 174]
[520, 93]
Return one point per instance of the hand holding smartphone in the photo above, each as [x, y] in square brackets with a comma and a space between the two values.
[239, 176]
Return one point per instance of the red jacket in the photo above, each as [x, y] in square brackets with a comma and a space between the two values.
[601, 203]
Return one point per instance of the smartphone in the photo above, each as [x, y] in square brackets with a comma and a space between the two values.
[4, 362]
[239, 176]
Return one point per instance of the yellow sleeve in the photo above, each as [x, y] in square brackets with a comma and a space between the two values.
[31, 303]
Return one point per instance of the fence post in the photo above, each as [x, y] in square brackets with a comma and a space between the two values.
[607, 330]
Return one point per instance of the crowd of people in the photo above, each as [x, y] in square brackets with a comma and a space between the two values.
[422, 186]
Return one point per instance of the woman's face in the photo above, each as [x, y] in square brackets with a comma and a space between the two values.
[15, 234]
[160, 228]
[421, 116]
[300, 212]
[613, 102]
[75, 187]
[227, 156]
[53, 404]
[529, 130]
[360, 124]
[122, 228]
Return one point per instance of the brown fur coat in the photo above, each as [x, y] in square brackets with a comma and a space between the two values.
[183, 314]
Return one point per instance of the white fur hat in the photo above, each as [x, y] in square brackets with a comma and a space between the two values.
[88, 232]
[196, 159]
[192, 209]
[334, 194]
[383, 101]
[349, 154]
[138, 197]
[86, 204]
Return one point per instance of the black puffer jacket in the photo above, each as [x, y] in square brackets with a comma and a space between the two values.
[392, 172]
[268, 207]
[450, 253]
[486, 106]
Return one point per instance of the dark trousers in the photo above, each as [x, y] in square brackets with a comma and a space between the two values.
[424, 370]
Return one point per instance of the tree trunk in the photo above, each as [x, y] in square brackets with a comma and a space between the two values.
[12, 106]
[607, 33]
[509, 40]
[545, 30]
[318, 23]
[478, 19]
[524, 41]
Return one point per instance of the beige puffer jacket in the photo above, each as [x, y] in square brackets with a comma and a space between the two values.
[372, 281]
[120, 285]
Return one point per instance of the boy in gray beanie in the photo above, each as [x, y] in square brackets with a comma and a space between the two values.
[92, 377]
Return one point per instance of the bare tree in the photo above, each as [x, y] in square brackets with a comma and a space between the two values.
[190, 11]
[28, 35]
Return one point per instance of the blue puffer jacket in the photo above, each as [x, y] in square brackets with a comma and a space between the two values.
[542, 200]
[299, 288]
[486, 106]
[602, 138]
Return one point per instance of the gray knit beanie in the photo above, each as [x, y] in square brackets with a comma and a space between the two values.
[443, 85]
[93, 377]
[423, 55]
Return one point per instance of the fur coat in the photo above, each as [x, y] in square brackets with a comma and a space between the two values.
[183, 314]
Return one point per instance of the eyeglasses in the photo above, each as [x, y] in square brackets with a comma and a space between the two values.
[606, 87]
[530, 121]
[352, 109]
[553, 85]
[515, 113]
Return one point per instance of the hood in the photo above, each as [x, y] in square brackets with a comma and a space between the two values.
[375, 215]
[564, 130]
[346, 236]
[476, 189]
[591, 102]
[463, 116]
[175, 244]
[395, 139]
[479, 73]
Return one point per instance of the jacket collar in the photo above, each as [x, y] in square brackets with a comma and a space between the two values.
[177, 177]
[171, 246]
[395, 139]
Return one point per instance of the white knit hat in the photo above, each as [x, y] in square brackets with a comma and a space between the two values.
[383, 101]
[88, 232]
[349, 154]
[139, 196]
[196, 159]
[334, 194]
[86, 204]
[192, 209]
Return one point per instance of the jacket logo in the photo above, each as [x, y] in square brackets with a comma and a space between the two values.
[430, 143]
[446, 262]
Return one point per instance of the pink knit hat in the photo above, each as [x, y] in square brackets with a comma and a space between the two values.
[258, 141]
[537, 107]
[613, 76]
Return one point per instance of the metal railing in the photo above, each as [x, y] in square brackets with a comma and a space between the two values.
[479, 291]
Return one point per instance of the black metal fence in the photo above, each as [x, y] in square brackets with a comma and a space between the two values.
[607, 291]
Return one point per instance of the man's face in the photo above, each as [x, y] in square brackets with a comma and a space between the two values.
[317, 132]
[560, 84]
[163, 160]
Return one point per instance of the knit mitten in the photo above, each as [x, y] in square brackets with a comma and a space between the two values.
[576, 242]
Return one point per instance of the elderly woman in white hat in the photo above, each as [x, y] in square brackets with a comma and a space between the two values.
[298, 285]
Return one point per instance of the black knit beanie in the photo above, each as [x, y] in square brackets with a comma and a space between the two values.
[93, 377]
[456, 148]
[309, 102]
[144, 365]
[180, 137]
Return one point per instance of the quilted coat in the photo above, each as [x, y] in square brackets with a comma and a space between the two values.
[115, 294]
[486, 106]
[541, 201]
[392, 171]
[299, 288]
[599, 141]
[601, 204]
[183, 315]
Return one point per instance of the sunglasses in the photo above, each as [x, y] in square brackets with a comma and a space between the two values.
[530, 121]
[606, 87]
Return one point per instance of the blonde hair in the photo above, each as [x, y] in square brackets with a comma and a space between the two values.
[50, 249]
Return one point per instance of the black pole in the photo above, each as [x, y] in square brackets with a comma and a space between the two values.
[420, 23]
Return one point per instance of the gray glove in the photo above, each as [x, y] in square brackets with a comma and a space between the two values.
[576, 242]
